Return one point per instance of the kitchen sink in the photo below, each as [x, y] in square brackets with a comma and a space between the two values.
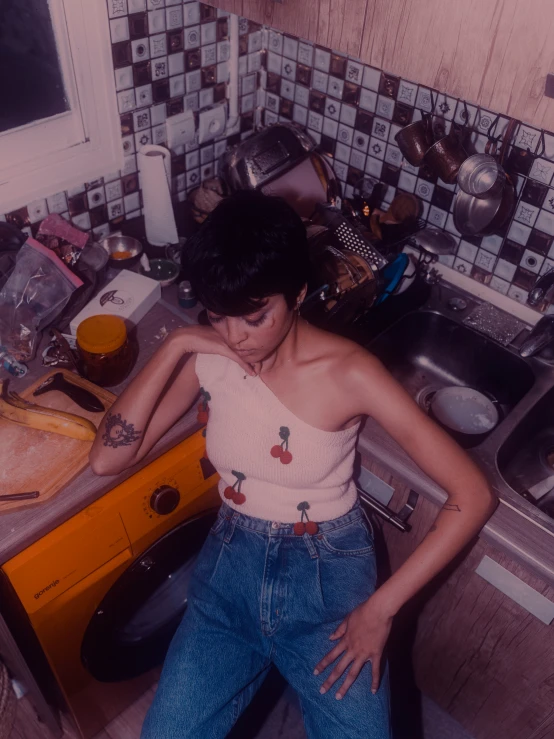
[426, 351]
[526, 456]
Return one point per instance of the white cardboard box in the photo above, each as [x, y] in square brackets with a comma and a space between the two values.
[128, 295]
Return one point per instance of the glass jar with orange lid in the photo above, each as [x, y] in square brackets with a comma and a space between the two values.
[107, 354]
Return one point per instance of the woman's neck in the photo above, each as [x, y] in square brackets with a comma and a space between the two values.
[286, 353]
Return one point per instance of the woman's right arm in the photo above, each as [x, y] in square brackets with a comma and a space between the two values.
[155, 399]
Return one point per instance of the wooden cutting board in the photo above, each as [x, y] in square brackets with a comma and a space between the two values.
[39, 460]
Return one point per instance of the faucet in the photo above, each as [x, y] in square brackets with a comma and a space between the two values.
[541, 287]
[543, 333]
[540, 337]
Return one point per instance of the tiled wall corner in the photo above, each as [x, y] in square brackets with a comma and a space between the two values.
[168, 56]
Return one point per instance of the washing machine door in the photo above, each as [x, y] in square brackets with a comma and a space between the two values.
[132, 627]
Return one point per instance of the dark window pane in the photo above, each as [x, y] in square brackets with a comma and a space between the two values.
[31, 82]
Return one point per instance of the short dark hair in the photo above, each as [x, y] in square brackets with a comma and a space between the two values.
[251, 246]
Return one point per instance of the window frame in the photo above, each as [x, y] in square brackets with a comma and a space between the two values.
[79, 146]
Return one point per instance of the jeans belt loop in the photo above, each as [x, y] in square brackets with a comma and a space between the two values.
[231, 528]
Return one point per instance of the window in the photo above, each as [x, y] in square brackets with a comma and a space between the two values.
[59, 125]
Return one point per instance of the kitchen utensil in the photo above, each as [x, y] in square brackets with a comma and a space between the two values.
[435, 241]
[123, 251]
[37, 460]
[467, 414]
[392, 276]
[307, 183]
[173, 251]
[21, 496]
[66, 352]
[344, 235]
[163, 270]
[445, 157]
[478, 216]
[94, 256]
[539, 489]
[261, 158]
[481, 176]
[79, 395]
[414, 140]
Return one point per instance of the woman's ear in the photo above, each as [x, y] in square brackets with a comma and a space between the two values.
[301, 296]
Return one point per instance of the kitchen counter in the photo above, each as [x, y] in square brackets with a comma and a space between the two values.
[21, 527]
[509, 529]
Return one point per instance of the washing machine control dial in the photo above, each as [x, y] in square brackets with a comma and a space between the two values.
[165, 499]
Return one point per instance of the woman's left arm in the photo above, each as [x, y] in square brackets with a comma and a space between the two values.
[362, 636]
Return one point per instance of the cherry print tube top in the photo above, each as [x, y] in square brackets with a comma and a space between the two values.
[271, 462]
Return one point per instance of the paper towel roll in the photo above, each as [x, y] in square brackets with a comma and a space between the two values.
[155, 178]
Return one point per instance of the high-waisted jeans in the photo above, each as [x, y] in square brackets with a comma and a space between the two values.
[259, 595]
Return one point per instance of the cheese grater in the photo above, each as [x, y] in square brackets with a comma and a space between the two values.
[349, 236]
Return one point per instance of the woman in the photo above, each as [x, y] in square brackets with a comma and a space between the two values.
[287, 575]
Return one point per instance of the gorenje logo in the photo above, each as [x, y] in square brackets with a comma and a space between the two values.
[48, 587]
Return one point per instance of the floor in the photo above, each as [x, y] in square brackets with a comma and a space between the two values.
[263, 722]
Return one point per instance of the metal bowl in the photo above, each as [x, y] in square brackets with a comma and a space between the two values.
[478, 217]
[123, 251]
[94, 257]
[482, 176]
[163, 271]
[436, 241]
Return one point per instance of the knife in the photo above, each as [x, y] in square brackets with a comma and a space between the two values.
[79, 395]
[20, 496]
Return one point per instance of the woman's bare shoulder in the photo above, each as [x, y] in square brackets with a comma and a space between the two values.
[335, 351]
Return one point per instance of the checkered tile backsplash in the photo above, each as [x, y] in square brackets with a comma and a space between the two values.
[355, 111]
[170, 56]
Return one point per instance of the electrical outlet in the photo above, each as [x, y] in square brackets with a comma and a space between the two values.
[211, 122]
[180, 129]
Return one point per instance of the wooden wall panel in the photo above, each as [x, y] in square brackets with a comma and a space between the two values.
[492, 53]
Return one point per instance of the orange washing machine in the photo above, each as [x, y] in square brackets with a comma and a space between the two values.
[96, 601]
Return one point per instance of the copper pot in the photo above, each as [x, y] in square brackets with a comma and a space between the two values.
[445, 158]
[414, 140]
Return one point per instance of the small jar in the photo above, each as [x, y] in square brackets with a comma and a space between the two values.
[105, 349]
[186, 296]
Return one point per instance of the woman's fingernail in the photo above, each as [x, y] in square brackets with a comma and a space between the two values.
[338, 696]
[316, 671]
[323, 690]
[373, 691]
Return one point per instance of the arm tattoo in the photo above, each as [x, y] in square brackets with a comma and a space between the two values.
[118, 432]
[451, 507]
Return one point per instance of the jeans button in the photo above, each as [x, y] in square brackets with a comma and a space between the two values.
[275, 525]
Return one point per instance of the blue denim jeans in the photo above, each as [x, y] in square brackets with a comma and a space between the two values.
[261, 595]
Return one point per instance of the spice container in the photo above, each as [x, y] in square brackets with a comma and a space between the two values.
[105, 349]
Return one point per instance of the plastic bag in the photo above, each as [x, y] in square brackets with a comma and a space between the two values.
[36, 292]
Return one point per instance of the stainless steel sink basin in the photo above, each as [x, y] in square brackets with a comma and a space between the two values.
[432, 347]
[524, 458]
[426, 351]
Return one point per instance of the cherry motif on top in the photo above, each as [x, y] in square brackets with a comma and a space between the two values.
[281, 451]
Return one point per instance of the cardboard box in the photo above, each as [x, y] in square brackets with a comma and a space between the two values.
[128, 295]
